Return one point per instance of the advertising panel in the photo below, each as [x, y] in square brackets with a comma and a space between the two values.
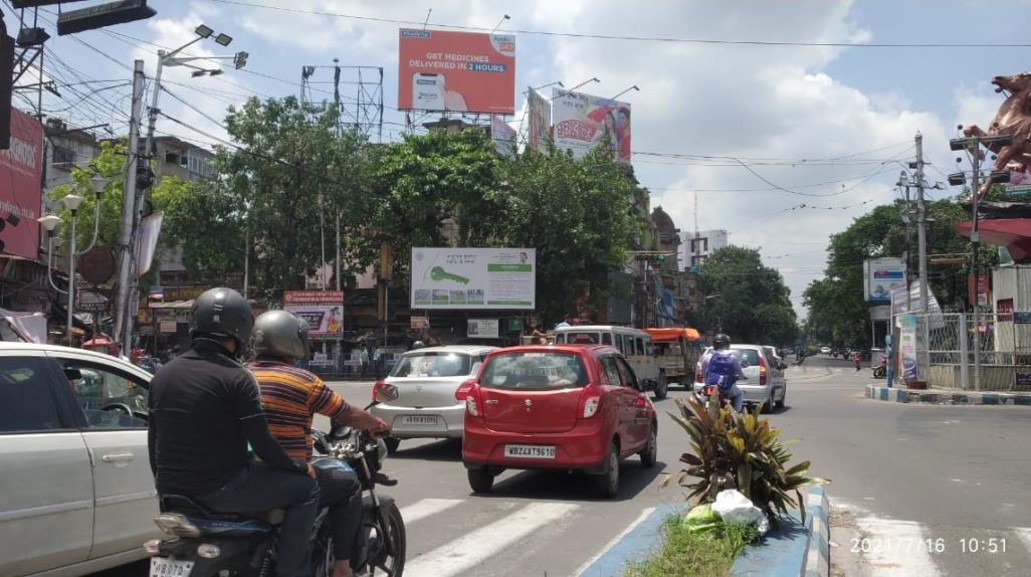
[1019, 184]
[322, 310]
[907, 346]
[539, 111]
[20, 174]
[582, 122]
[504, 137]
[482, 328]
[882, 275]
[456, 71]
[473, 278]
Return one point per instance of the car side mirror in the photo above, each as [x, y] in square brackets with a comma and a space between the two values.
[72, 374]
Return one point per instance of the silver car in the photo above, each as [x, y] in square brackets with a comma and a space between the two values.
[77, 492]
[426, 381]
[765, 383]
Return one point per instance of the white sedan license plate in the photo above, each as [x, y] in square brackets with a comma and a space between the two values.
[163, 567]
[530, 451]
[419, 420]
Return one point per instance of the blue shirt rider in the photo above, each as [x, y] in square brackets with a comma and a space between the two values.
[722, 344]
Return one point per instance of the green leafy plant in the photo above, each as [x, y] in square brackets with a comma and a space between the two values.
[738, 451]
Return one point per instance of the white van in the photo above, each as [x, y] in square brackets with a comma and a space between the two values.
[635, 344]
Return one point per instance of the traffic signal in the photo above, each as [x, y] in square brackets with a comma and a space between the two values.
[102, 15]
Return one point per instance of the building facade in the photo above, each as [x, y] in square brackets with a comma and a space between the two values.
[696, 247]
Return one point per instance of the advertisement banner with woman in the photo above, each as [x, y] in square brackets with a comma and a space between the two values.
[582, 122]
[322, 310]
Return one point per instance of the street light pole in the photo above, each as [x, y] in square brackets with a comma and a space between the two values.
[71, 202]
[921, 216]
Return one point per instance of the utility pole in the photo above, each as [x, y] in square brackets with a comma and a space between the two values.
[921, 216]
[125, 266]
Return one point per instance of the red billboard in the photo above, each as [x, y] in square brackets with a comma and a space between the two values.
[20, 174]
[456, 71]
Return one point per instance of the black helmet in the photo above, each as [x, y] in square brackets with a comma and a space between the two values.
[280, 334]
[222, 312]
[721, 341]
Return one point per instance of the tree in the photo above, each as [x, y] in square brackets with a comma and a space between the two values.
[291, 172]
[429, 181]
[578, 215]
[751, 300]
[110, 164]
[838, 312]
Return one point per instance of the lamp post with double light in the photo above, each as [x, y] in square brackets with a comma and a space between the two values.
[72, 202]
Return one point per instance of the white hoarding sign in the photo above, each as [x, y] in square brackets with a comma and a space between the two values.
[473, 278]
[483, 329]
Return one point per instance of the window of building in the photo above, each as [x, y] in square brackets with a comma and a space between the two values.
[63, 155]
[171, 158]
[197, 164]
[700, 244]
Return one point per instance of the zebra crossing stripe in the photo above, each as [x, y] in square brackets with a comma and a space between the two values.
[477, 546]
[884, 552]
[426, 508]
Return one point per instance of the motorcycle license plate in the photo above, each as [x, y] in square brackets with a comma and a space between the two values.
[530, 451]
[164, 567]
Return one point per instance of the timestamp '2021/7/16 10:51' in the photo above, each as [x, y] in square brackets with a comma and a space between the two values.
[991, 545]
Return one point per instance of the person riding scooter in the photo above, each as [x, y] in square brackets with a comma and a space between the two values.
[291, 396]
[722, 368]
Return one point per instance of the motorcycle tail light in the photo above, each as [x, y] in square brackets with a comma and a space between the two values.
[152, 547]
[208, 551]
[177, 525]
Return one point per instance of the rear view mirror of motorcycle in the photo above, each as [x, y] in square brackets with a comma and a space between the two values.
[338, 432]
[386, 393]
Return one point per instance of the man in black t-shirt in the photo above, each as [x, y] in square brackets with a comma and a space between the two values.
[204, 409]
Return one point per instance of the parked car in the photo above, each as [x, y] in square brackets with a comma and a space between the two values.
[765, 383]
[78, 495]
[571, 407]
[426, 381]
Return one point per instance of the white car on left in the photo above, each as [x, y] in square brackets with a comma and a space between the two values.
[77, 492]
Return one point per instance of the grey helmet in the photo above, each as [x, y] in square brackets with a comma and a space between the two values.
[280, 334]
[223, 313]
[721, 341]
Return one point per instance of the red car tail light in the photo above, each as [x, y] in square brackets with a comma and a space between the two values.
[463, 390]
[640, 403]
[472, 400]
[376, 387]
[590, 402]
[762, 372]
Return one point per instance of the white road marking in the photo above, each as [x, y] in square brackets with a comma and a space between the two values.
[426, 507]
[892, 548]
[640, 519]
[477, 546]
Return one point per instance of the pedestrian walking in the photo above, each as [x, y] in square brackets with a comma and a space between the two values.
[857, 359]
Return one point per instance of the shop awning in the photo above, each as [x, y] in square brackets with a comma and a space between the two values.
[674, 333]
[171, 305]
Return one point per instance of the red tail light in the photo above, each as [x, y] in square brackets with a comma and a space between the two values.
[590, 402]
[762, 372]
[640, 403]
[377, 387]
[463, 390]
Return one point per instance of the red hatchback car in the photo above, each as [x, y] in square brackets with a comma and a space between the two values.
[556, 407]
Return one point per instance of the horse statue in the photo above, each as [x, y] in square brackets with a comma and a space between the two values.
[1013, 118]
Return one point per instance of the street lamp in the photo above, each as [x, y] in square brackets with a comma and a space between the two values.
[634, 87]
[71, 202]
[50, 223]
[719, 316]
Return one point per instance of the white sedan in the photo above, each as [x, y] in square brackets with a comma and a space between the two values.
[426, 381]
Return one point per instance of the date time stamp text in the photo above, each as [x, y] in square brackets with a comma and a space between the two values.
[933, 546]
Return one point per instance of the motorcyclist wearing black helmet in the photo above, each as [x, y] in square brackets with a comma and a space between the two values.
[204, 408]
[291, 397]
[722, 368]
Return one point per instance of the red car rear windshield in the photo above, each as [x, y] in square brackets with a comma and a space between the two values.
[534, 370]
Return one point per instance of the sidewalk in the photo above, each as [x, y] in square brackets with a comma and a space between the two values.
[946, 396]
[793, 550]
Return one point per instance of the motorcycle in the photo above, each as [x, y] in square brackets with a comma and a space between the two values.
[205, 543]
[880, 371]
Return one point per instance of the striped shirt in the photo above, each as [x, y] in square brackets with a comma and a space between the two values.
[291, 396]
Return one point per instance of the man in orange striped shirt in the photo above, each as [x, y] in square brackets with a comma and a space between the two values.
[291, 397]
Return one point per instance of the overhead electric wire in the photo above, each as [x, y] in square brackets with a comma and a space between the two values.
[716, 41]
